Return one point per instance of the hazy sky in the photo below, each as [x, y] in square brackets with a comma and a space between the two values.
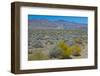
[82, 20]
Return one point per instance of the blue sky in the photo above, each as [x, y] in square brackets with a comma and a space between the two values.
[81, 20]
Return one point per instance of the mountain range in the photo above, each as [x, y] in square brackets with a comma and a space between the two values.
[58, 24]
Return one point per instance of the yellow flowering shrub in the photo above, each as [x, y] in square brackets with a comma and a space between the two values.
[66, 50]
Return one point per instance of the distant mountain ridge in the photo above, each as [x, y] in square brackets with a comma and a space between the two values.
[58, 24]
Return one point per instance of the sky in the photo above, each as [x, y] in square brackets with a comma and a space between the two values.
[76, 19]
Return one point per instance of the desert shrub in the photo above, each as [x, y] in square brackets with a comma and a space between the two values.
[38, 55]
[49, 42]
[67, 53]
[55, 52]
[37, 44]
[65, 49]
[76, 49]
